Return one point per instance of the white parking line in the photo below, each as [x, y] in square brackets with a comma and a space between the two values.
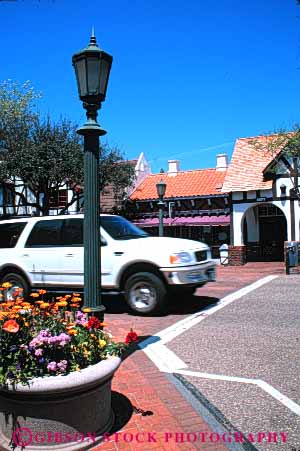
[287, 402]
[168, 362]
[178, 328]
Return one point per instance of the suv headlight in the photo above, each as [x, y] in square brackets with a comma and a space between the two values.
[180, 257]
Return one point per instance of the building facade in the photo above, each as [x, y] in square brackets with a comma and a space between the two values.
[195, 206]
[264, 208]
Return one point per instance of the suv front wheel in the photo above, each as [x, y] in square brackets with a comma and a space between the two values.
[145, 293]
[17, 281]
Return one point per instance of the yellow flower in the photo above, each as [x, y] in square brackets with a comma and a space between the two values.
[86, 309]
[44, 305]
[6, 285]
[34, 295]
[102, 343]
[76, 299]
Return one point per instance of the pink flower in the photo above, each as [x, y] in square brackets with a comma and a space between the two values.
[52, 366]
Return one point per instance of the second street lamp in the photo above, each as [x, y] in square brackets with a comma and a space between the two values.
[92, 67]
[161, 190]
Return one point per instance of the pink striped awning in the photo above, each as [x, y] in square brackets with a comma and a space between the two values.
[186, 221]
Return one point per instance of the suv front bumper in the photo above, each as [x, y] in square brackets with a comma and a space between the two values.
[191, 275]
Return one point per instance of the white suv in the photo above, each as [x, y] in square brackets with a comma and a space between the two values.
[47, 252]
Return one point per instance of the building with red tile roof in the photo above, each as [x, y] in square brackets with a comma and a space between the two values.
[195, 206]
[264, 210]
[246, 170]
[194, 183]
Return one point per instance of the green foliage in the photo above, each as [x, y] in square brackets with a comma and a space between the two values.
[43, 156]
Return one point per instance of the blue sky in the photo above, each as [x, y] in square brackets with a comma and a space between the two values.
[188, 78]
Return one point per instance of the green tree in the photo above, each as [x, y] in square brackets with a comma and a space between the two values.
[41, 156]
[284, 148]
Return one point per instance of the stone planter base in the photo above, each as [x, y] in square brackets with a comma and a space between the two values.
[56, 413]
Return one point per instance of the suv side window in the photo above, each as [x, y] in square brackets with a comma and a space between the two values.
[46, 233]
[72, 232]
[10, 233]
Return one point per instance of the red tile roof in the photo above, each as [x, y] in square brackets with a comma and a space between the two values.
[245, 172]
[200, 182]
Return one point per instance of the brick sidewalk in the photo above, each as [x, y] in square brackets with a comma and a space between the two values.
[139, 387]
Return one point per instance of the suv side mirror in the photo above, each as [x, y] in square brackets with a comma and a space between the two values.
[103, 241]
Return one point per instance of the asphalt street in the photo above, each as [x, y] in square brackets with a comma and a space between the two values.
[255, 338]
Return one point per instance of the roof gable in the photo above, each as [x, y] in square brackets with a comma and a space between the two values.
[248, 163]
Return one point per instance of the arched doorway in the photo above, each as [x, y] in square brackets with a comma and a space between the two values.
[264, 233]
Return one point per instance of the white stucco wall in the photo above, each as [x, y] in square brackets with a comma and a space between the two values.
[239, 210]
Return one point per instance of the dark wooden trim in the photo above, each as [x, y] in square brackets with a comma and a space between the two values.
[274, 189]
[268, 199]
[231, 223]
[207, 196]
[292, 210]
[286, 163]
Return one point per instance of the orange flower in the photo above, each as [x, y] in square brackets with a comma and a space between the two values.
[42, 291]
[44, 305]
[72, 332]
[61, 298]
[3, 315]
[61, 304]
[34, 295]
[11, 326]
[26, 307]
[75, 305]
[67, 296]
[86, 310]
[76, 295]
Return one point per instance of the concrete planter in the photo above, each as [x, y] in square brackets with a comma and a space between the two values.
[59, 412]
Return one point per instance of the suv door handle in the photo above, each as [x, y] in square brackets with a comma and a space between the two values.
[69, 255]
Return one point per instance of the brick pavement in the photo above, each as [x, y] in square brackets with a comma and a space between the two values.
[144, 400]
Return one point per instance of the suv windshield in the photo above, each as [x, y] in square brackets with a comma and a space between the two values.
[121, 229]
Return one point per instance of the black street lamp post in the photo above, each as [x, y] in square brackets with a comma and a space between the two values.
[92, 67]
[161, 189]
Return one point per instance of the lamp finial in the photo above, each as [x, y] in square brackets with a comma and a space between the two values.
[93, 37]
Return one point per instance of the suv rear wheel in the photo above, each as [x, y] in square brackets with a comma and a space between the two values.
[145, 293]
[17, 281]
